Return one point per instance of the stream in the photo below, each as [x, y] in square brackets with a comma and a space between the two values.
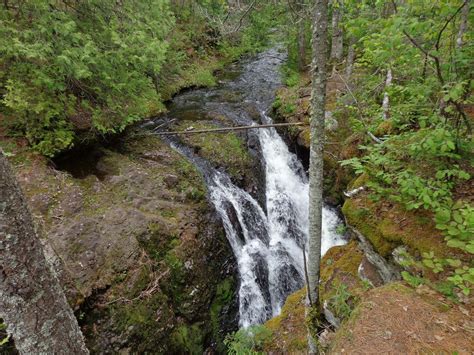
[267, 238]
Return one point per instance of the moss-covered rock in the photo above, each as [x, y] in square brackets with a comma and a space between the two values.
[339, 267]
[221, 149]
[289, 334]
[387, 225]
[138, 248]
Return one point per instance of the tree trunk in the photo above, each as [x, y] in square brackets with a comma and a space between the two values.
[32, 302]
[463, 25]
[301, 41]
[386, 98]
[337, 40]
[350, 59]
[318, 101]
[301, 46]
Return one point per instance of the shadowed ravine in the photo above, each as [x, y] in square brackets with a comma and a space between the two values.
[267, 241]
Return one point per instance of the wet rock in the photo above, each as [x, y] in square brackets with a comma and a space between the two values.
[41, 202]
[170, 180]
[368, 272]
[157, 156]
[387, 271]
[330, 317]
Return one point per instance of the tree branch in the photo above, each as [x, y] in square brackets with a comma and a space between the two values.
[227, 129]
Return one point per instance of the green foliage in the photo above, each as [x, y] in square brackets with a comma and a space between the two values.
[426, 157]
[339, 302]
[95, 67]
[248, 341]
[92, 62]
[341, 229]
[291, 77]
[256, 35]
[412, 280]
[3, 328]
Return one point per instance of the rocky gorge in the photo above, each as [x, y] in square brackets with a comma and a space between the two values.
[151, 261]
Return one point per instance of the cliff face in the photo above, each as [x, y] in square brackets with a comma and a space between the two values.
[138, 249]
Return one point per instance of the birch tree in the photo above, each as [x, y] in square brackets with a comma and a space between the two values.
[386, 97]
[318, 100]
[32, 302]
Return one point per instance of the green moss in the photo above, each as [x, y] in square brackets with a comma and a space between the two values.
[224, 295]
[364, 221]
[142, 281]
[361, 180]
[345, 258]
[388, 225]
[340, 284]
[188, 339]
[289, 332]
[226, 150]
[156, 241]
[198, 73]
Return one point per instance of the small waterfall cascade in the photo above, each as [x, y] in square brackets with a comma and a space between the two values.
[268, 245]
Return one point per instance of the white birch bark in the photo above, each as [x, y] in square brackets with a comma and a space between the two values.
[386, 98]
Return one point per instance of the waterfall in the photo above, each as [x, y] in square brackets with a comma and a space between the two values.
[268, 246]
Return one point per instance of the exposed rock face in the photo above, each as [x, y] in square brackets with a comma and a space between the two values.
[139, 252]
[368, 272]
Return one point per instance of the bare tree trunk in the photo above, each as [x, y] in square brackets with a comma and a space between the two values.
[337, 34]
[318, 102]
[386, 98]
[463, 25]
[32, 302]
[301, 46]
[299, 5]
[350, 59]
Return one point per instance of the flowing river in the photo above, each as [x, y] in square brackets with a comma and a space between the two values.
[267, 239]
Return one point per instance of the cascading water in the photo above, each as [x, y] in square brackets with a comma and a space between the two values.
[268, 246]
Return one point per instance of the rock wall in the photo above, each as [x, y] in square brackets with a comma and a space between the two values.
[140, 253]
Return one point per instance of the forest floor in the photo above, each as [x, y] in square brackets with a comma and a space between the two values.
[399, 319]
[391, 319]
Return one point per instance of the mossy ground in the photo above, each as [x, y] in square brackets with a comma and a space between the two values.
[221, 149]
[288, 329]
